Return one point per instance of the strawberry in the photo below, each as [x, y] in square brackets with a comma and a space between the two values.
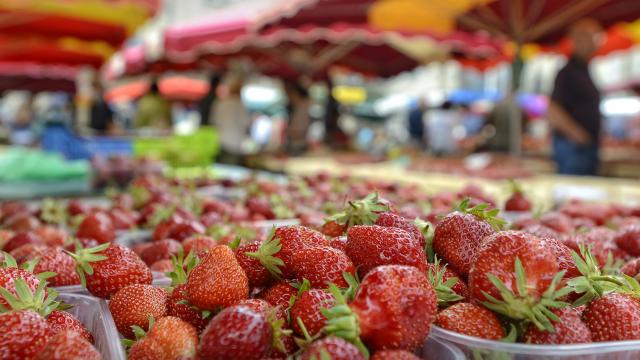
[218, 281]
[160, 250]
[198, 244]
[98, 226]
[257, 274]
[51, 235]
[631, 268]
[333, 229]
[321, 265]
[238, 333]
[541, 231]
[62, 264]
[447, 284]
[394, 355]
[283, 343]
[176, 307]
[76, 207]
[63, 321]
[307, 309]
[139, 248]
[162, 266]
[10, 274]
[563, 254]
[613, 317]
[168, 338]
[134, 304]
[628, 239]
[23, 334]
[516, 274]
[68, 345]
[471, 320]
[557, 221]
[186, 229]
[333, 348]
[22, 238]
[107, 268]
[28, 251]
[123, 219]
[339, 243]
[393, 309]
[276, 253]
[369, 246]
[569, 330]
[390, 219]
[458, 236]
[22, 222]
[517, 201]
[279, 294]
[357, 212]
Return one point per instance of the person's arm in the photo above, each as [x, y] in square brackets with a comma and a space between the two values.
[561, 121]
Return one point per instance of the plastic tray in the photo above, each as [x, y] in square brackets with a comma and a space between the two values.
[94, 314]
[475, 348]
[158, 279]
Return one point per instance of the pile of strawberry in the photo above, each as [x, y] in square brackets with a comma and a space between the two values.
[33, 324]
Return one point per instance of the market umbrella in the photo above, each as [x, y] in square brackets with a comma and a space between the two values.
[37, 77]
[172, 87]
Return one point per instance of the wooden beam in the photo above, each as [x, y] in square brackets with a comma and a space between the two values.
[534, 12]
[476, 23]
[562, 17]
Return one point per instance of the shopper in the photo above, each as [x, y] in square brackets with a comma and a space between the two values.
[154, 111]
[101, 120]
[208, 102]
[574, 111]
[298, 112]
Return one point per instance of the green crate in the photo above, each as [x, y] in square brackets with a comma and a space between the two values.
[197, 149]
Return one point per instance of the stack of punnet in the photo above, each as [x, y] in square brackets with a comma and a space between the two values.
[369, 279]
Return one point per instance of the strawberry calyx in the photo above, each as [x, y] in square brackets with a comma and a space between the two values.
[343, 322]
[428, 230]
[37, 301]
[139, 334]
[302, 287]
[54, 212]
[278, 329]
[483, 212]
[10, 262]
[266, 252]
[84, 257]
[524, 307]
[515, 186]
[444, 289]
[360, 212]
[140, 195]
[593, 282]
[182, 267]
[354, 284]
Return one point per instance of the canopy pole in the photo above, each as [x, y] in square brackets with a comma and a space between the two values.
[515, 138]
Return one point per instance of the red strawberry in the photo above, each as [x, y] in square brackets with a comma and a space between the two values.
[98, 226]
[123, 219]
[28, 251]
[278, 294]
[68, 345]
[335, 347]
[517, 201]
[394, 355]
[321, 265]
[628, 239]
[62, 264]
[541, 231]
[22, 238]
[51, 236]
[162, 266]
[218, 281]
[63, 321]
[113, 267]
[76, 207]
[515, 261]
[160, 250]
[134, 304]
[238, 333]
[307, 308]
[613, 317]
[458, 236]
[23, 334]
[339, 243]
[257, 274]
[184, 230]
[390, 219]
[169, 338]
[472, 320]
[631, 268]
[199, 244]
[333, 229]
[557, 221]
[569, 330]
[563, 254]
[176, 307]
[22, 222]
[8, 277]
[373, 245]
[394, 307]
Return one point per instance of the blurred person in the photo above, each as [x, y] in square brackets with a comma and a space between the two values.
[574, 111]
[416, 122]
[232, 121]
[208, 101]
[154, 111]
[101, 119]
[299, 121]
[441, 123]
[22, 131]
[500, 120]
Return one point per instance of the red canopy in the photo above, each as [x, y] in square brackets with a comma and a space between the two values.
[36, 77]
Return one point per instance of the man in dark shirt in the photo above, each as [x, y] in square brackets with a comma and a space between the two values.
[574, 111]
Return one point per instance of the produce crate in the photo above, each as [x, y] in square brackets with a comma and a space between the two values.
[59, 139]
[198, 149]
[467, 347]
[94, 314]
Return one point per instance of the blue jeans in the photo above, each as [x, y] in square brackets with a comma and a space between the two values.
[574, 159]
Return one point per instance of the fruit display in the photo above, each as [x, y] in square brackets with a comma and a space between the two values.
[315, 267]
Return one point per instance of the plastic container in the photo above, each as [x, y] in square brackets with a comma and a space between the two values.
[158, 279]
[94, 314]
[468, 347]
[197, 149]
[58, 138]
